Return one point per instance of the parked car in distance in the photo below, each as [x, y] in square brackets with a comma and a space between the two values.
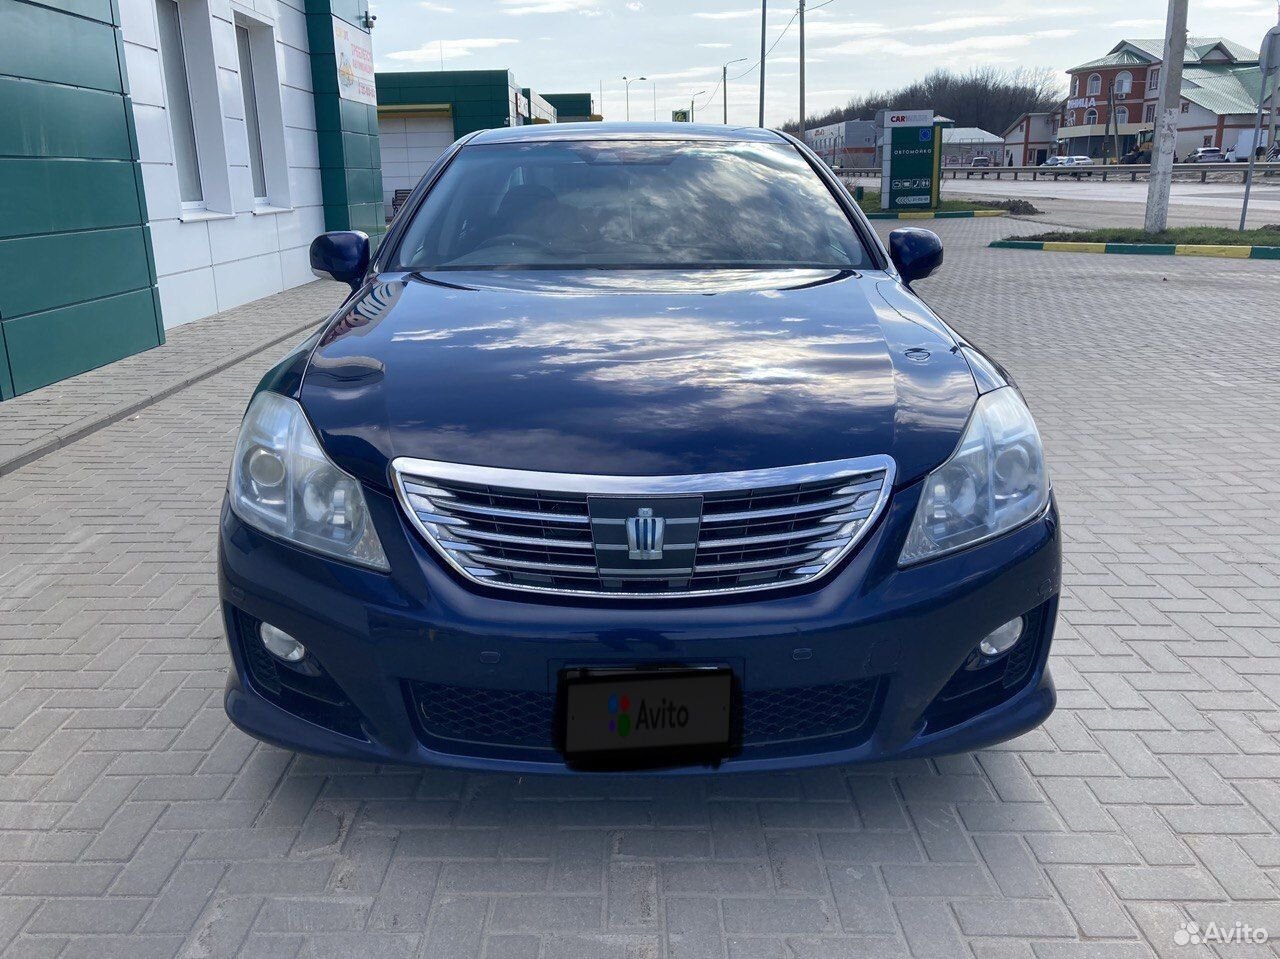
[1075, 162]
[1053, 161]
[632, 447]
[980, 162]
[1205, 155]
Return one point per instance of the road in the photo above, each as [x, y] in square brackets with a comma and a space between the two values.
[136, 822]
[1122, 202]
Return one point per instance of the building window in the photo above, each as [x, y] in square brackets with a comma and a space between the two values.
[253, 126]
[1090, 117]
[1095, 85]
[1071, 118]
[263, 113]
[1122, 115]
[1208, 140]
[173, 64]
[1075, 86]
[1150, 115]
[1186, 106]
[1154, 85]
[1124, 83]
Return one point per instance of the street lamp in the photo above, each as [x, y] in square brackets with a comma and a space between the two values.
[629, 81]
[691, 99]
[724, 85]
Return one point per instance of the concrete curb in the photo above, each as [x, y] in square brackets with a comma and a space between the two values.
[68, 435]
[1146, 249]
[939, 215]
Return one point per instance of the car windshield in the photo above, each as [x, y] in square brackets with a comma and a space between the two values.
[629, 205]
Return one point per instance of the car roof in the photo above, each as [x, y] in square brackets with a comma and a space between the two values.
[537, 132]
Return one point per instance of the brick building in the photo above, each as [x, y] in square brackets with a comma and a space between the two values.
[1221, 83]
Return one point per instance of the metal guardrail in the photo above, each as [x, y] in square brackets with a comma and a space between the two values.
[1114, 171]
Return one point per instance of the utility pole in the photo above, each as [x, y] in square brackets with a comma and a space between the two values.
[1275, 106]
[1112, 118]
[1269, 63]
[1166, 133]
[764, 25]
[802, 121]
[724, 85]
[627, 81]
[655, 101]
[691, 101]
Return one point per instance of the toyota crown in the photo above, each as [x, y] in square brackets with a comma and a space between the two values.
[633, 448]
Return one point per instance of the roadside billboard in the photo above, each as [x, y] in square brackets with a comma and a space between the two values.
[910, 160]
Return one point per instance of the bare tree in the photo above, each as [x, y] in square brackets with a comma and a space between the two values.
[985, 97]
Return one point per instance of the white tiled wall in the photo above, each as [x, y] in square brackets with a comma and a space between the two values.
[409, 146]
[208, 265]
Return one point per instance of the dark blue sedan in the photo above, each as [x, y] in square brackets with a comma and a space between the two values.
[632, 448]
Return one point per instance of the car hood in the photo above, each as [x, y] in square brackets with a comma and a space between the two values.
[637, 373]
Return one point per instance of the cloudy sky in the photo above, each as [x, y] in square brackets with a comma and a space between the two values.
[853, 45]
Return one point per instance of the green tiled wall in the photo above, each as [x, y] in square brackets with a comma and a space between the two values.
[347, 131]
[75, 251]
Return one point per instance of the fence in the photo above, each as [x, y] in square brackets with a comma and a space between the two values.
[1185, 172]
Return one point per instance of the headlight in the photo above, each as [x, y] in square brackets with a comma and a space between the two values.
[994, 481]
[283, 484]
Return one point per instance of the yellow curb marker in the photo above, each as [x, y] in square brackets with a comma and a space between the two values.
[1203, 249]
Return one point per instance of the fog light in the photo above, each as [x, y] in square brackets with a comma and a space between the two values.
[1001, 640]
[280, 644]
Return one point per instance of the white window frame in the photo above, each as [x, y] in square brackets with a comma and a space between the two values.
[1095, 85]
[266, 87]
[1122, 115]
[1124, 83]
[1087, 113]
[196, 27]
[1154, 83]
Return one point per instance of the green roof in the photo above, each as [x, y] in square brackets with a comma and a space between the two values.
[1223, 89]
[1139, 52]
[1121, 58]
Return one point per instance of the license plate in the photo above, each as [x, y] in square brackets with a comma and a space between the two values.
[631, 718]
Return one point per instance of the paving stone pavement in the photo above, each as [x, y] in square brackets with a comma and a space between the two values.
[134, 821]
[62, 413]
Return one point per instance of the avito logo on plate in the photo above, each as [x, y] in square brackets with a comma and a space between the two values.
[620, 707]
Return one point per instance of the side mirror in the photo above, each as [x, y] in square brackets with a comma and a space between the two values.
[916, 253]
[342, 255]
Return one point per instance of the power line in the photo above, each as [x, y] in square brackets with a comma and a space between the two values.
[714, 91]
[752, 68]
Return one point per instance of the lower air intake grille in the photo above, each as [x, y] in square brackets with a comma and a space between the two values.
[644, 536]
[807, 712]
[500, 717]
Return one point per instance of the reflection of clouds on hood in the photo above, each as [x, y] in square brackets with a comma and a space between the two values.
[720, 365]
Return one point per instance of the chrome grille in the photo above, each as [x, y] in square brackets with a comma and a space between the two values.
[568, 533]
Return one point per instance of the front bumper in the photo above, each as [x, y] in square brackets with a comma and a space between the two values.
[417, 668]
